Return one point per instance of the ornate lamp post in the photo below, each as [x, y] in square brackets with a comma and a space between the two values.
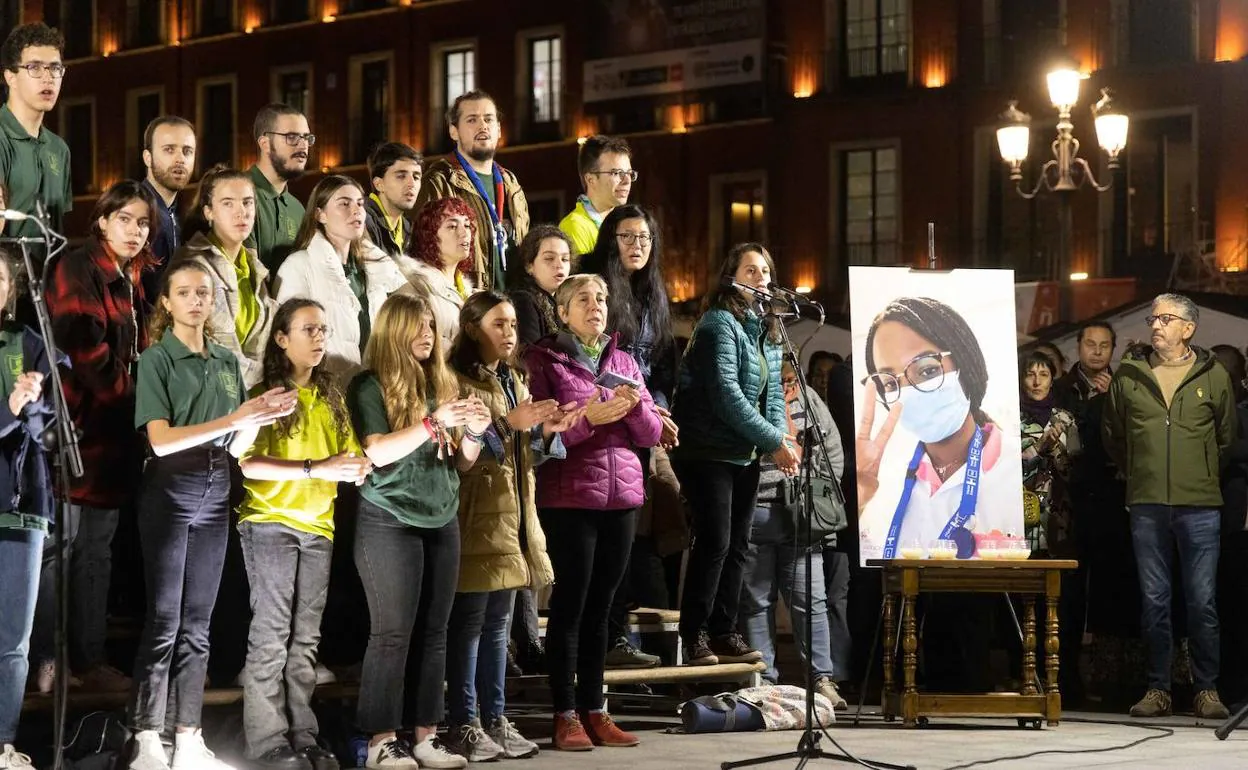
[1066, 172]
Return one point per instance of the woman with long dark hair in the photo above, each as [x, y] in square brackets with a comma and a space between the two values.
[927, 369]
[97, 308]
[730, 407]
[543, 263]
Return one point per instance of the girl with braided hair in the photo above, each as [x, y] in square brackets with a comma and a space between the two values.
[927, 370]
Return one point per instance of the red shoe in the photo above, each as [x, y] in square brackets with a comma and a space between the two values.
[570, 734]
[603, 731]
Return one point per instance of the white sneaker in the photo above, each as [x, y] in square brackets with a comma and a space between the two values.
[393, 754]
[10, 759]
[190, 753]
[514, 745]
[472, 742]
[429, 753]
[149, 752]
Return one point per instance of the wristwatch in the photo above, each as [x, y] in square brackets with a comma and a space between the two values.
[307, 468]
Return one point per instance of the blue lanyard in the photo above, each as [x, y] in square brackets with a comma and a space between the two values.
[496, 211]
[955, 529]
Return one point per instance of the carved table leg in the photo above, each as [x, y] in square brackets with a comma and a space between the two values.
[1029, 644]
[890, 645]
[1051, 649]
[909, 662]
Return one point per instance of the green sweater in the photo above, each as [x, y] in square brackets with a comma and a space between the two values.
[1170, 455]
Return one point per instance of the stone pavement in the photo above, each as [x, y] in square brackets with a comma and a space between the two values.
[947, 744]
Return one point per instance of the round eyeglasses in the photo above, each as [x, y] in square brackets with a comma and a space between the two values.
[925, 372]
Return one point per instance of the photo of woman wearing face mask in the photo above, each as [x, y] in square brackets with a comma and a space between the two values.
[934, 469]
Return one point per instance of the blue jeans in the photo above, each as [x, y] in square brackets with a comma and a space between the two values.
[774, 564]
[1155, 532]
[476, 665]
[20, 555]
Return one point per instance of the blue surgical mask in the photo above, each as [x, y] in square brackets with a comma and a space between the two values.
[937, 415]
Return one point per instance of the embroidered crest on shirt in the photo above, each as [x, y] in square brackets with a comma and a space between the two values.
[230, 383]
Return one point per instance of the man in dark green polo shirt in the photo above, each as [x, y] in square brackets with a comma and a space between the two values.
[34, 162]
[285, 141]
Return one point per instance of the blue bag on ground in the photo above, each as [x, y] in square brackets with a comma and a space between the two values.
[723, 713]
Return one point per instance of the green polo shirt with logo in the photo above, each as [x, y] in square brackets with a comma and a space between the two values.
[187, 388]
[34, 168]
[277, 222]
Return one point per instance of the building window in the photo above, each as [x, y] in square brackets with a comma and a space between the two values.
[142, 107]
[1160, 32]
[77, 27]
[460, 66]
[144, 23]
[293, 86]
[869, 192]
[77, 127]
[877, 37]
[355, 6]
[744, 215]
[370, 105]
[214, 123]
[288, 11]
[546, 78]
[216, 17]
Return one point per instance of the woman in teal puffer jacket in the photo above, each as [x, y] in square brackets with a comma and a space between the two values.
[730, 409]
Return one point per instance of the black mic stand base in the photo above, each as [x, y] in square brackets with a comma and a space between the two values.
[808, 749]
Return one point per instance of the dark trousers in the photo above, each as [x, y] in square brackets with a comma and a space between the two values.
[183, 525]
[721, 496]
[589, 550]
[840, 643]
[409, 576]
[288, 572]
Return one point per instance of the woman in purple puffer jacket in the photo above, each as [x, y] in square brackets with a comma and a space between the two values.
[588, 502]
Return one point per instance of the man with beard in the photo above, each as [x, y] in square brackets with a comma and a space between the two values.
[607, 176]
[169, 154]
[34, 162]
[471, 173]
[282, 134]
[394, 168]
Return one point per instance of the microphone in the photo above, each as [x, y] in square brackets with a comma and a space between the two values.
[13, 215]
[728, 283]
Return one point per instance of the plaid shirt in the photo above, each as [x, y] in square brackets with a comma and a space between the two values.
[97, 321]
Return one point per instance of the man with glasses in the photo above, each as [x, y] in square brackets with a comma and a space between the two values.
[471, 174]
[282, 134]
[34, 162]
[1169, 423]
[606, 167]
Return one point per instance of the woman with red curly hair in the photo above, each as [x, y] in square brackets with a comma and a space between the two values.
[443, 235]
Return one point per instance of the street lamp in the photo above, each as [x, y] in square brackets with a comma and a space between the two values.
[1066, 172]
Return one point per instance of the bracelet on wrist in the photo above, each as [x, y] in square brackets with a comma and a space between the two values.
[434, 429]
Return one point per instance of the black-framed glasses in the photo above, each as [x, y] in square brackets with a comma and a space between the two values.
[788, 382]
[619, 174]
[1165, 318]
[312, 331]
[37, 68]
[926, 372]
[630, 238]
[293, 138]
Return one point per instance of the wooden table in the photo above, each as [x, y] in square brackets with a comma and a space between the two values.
[908, 578]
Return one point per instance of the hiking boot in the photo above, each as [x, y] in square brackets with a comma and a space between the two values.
[514, 668]
[625, 655]
[1209, 706]
[11, 759]
[697, 652]
[532, 658]
[827, 688]
[431, 753]
[603, 731]
[392, 754]
[1155, 703]
[731, 648]
[471, 741]
[505, 735]
[570, 734]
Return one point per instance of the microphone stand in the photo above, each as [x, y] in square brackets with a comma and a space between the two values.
[64, 441]
[813, 439]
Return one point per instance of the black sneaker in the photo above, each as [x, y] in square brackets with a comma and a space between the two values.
[320, 757]
[731, 648]
[697, 652]
[625, 655]
[282, 758]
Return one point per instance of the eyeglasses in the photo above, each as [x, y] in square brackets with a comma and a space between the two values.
[293, 138]
[925, 372]
[789, 382]
[1165, 319]
[317, 330]
[619, 174]
[38, 68]
[630, 238]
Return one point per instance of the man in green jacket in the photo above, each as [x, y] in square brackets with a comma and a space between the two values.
[285, 142]
[1168, 422]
